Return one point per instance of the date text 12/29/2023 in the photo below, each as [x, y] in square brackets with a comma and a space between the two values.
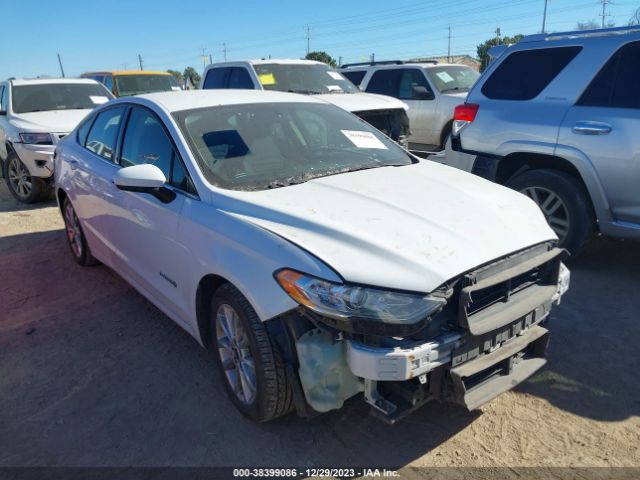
[314, 472]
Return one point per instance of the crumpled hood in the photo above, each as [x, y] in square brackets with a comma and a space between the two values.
[359, 102]
[55, 121]
[409, 228]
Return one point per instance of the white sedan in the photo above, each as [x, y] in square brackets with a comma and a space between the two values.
[316, 257]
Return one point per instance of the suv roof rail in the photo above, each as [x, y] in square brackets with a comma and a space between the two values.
[387, 62]
[382, 62]
[581, 33]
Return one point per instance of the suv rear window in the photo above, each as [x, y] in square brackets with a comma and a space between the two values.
[616, 85]
[523, 75]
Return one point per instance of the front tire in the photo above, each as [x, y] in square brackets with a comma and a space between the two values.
[75, 236]
[250, 363]
[24, 187]
[563, 202]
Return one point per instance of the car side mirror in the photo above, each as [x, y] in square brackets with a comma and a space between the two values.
[144, 178]
[420, 92]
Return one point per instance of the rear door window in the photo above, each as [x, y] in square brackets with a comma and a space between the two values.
[103, 135]
[355, 77]
[216, 78]
[616, 85]
[403, 83]
[525, 74]
[239, 78]
[385, 82]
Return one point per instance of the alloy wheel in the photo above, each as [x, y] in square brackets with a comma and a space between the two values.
[19, 178]
[553, 208]
[235, 353]
[74, 234]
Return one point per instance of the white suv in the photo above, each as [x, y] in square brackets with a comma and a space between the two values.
[431, 91]
[34, 115]
[308, 77]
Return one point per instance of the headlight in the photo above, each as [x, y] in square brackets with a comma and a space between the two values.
[344, 302]
[36, 138]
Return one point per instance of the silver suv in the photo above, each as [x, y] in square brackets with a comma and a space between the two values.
[557, 117]
[34, 115]
[430, 89]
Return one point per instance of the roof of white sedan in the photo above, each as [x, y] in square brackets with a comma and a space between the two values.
[47, 81]
[191, 99]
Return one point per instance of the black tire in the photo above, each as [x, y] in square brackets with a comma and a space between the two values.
[80, 248]
[445, 136]
[273, 396]
[576, 204]
[39, 190]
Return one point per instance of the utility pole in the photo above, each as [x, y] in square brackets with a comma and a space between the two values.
[449, 47]
[204, 59]
[210, 59]
[498, 36]
[60, 63]
[224, 50]
[340, 61]
[604, 10]
[544, 18]
[373, 58]
[308, 33]
[140, 60]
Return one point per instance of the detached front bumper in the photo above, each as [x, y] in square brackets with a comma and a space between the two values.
[37, 158]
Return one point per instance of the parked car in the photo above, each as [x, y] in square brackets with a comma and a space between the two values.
[312, 78]
[315, 256]
[34, 116]
[557, 117]
[430, 89]
[133, 82]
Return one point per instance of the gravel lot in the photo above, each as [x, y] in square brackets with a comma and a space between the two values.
[91, 374]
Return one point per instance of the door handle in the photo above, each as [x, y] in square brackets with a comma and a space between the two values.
[73, 164]
[591, 128]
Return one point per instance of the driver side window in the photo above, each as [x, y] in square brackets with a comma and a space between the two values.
[102, 138]
[146, 141]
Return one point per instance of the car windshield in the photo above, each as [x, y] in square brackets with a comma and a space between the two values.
[139, 84]
[270, 145]
[57, 96]
[303, 78]
[452, 79]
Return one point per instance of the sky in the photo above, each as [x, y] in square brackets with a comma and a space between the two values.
[95, 35]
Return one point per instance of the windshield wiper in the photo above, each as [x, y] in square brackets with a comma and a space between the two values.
[305, 92]
[289, 181]
[453, 89]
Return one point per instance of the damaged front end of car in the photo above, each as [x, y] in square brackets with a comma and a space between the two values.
[394, 123]
[473, 338]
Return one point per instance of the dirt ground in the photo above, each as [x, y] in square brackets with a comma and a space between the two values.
[92, 374]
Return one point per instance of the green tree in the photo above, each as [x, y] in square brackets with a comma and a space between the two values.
[483, 48]
[192, 75]
[323, 57]
[176, 74]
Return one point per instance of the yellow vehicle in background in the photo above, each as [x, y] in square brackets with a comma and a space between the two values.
[133, 82]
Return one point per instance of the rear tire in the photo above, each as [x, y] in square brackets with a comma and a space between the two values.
[75, 236]
[563, 202]
[250, 363]
[24, 187]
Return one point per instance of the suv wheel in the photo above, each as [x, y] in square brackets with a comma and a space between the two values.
[563, 202]
[22, 185]
[252, 367]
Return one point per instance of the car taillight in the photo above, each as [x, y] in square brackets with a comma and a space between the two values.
[463, 115]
